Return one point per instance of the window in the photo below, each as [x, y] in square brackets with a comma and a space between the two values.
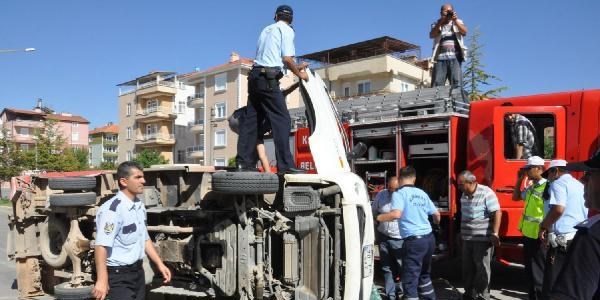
[152, 105]
[128, 109]
[151, 129]
[347, 91]
[404, 87]
[220, 140]
[24, 131]
[128, 156]
[220, 82]
[527, 135]
[75, 125]
[75, 136]
[128, 133]
[364, 87]
[220, 110]
[24, 147]
[219, 162]
[181, 107]
[181, 156]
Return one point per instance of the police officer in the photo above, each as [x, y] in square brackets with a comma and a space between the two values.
[275, 50]
[580, 276]
[565, 210]
[122, 238]
[411, 206]
[389, 238]
[529, 225]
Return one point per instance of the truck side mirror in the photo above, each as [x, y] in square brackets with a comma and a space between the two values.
[358, 150]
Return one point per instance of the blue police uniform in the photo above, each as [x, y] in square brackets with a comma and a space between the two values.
[390, 243]
[265, 98]
[121, 229]
[419, 242]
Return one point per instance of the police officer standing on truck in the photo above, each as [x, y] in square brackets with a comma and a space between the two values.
[580, 276]
[122, 239]
[529, 225]
[411, 206]
[275, 50]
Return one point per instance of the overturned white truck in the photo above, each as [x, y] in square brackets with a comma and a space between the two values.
[236, 235]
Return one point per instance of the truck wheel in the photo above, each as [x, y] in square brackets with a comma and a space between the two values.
[53, 234]
[72, 183]
[67, 292]
[73, 199]
[243, 183]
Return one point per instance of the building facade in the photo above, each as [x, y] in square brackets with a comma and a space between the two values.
[104, 145]
[219, 91]
[153, 115]
[22, 125]
[378, 66]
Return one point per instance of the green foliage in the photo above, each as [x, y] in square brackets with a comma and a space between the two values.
[475, 78]
[5, 202]
[11, 159]
[107, 165]
[148, 158]
[231, 162]
[548, 147]
[81, 155]
[50, 152]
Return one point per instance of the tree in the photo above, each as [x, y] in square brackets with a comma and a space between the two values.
[148, 158]
[11, 158]
[81, 155]
[107, 165]
[50, 152]
[475, 78]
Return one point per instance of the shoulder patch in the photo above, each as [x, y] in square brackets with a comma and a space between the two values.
[587, 224]
[109, 228]
[113, 206]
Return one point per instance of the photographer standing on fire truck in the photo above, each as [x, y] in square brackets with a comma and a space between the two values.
[449, 50]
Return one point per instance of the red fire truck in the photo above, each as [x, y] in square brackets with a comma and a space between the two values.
[441, 135]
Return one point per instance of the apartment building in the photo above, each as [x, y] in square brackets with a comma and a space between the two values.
[219, 91]
[22, 125]
[378, 66]
[104, 145]
[153, 114]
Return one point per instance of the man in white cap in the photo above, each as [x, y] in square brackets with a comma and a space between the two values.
[565, 210]
[580, 276]
[529, 225]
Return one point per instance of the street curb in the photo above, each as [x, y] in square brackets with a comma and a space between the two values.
[9, 208]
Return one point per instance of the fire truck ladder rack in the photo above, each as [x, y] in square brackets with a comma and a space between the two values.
[422, 102]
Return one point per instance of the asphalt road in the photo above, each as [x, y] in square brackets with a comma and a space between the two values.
[7, 268]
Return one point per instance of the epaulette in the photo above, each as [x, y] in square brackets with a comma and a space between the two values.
[114, 204]
[588, 223]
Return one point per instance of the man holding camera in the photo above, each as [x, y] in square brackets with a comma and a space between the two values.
[449, 50]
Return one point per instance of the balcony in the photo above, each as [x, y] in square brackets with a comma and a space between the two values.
[110, 142]
[21, 138]
[110, 154]
[155, 114]
[27, 123]
[196, 101]
[156, 88]
[195, 152]
[155, 139]
[196, 126]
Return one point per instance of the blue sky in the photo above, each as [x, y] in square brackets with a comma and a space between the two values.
[85, 48]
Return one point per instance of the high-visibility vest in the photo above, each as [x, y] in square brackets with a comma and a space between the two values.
[533, 214]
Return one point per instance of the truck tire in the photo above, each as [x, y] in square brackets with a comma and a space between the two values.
[73, 199]
[67, 292]
[244, 183]
[72, 183]
[53, 234]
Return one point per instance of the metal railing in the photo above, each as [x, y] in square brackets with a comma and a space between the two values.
[196, 122]
[155, 136]
[195, 148]
[155, 109]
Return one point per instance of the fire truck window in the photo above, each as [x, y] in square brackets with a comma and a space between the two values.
[527, 135]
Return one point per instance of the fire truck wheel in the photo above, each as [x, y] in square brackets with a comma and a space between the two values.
[68, 292]
[72, 183]
[53, 234]
[244, 183]
[72, 199]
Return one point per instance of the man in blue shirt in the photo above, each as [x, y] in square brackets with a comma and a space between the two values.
[275, 50]
[566, 209]
[122, 239]
[412, 207]
[388, 235]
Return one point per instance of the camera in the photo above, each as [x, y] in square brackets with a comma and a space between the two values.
[449, 14]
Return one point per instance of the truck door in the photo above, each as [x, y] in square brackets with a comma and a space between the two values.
[547, 127]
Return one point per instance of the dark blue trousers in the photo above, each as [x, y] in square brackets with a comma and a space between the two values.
[390, 255]
[265, 101]
[416, 267]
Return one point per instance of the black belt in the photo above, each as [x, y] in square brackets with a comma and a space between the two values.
[416, 237]
[134, 267]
